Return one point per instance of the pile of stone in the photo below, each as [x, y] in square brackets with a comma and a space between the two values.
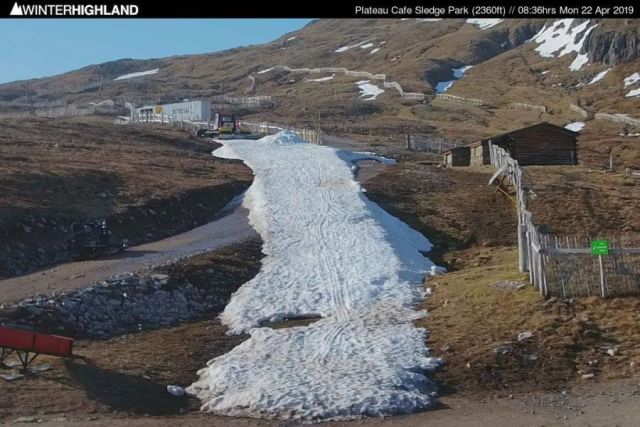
[121, 304]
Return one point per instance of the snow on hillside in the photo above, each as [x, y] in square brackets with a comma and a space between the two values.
[138, 74]
[458, 73]
[632, 79]
[575, 126]
[266, 70]
[634, 92]
[442, 87]
[329, 252]
[484, 24]
[561, 35]
[369, 89]
[599, 76]
[321, 79]
[366, 44]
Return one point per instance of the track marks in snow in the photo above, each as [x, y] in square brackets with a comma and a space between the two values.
[332, 252]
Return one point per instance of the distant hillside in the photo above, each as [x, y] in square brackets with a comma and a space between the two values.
[505, 63]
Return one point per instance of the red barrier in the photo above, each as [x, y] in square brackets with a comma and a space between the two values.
[21, 340]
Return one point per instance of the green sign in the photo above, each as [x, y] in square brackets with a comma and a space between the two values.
[600, 247]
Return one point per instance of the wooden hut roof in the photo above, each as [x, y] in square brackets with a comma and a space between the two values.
[545, 125]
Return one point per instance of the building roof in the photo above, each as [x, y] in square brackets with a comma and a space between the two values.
[549, 127]
[462, 148]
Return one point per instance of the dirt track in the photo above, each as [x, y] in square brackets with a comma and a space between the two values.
[230, 226]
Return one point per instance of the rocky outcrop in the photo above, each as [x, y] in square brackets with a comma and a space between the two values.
[118, 305]
[612, 47]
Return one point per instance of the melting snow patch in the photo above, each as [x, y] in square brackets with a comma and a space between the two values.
[544, 72]
[560, 35]
[444, 86]
[575, 126]
[321, 79]
[599, 76]
[366, 44]
[459, 72]
[484, 24]
[369, 89]
[330, 252]
[138, 74]
[291, 38]
[429, 19]
[265, 70]
[375, 50]
[632, 79]
[634, 92]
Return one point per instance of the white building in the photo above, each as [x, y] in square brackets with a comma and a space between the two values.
[197, 111]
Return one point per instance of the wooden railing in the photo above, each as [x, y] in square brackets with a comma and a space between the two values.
[565, 265]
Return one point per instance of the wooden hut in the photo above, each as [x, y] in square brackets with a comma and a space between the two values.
[540, 144]
[458, 156]
[479, 153]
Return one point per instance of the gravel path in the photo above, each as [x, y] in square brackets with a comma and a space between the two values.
[230, 226]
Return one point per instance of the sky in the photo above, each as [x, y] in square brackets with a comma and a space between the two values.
[42, 47]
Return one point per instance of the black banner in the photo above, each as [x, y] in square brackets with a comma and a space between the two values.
[319, 9]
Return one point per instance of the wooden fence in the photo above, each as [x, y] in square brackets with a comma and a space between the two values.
[458, 99]
[581, 111]
[524, 106]
[618, 118]
[352, 73]
[564, 265]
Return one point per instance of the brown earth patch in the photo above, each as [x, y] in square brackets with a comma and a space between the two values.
[149, 182]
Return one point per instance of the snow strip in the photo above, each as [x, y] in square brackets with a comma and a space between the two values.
[329, 251]
[137, 74]
[321, 79]
[369, 89]
[266, 70]
[363, 44]
[575, 126]
[291, 38]
[560, 35]
[484, 24]
[374, 50]
[634, 92]
[632, 79]
[599, 76]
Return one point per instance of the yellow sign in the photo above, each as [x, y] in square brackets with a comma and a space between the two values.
[158, 109]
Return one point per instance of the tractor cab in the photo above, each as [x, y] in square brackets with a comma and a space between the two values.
[92, 239]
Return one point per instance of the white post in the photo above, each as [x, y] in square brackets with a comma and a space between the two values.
[603, 291]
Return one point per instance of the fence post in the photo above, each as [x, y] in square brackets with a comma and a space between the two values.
[521, 244]
[603, 291]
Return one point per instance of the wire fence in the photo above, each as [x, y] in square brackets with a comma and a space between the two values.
[430, 143]
[568, 266]
[266, 128]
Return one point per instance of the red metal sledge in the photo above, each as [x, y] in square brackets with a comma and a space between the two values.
[28, 345]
